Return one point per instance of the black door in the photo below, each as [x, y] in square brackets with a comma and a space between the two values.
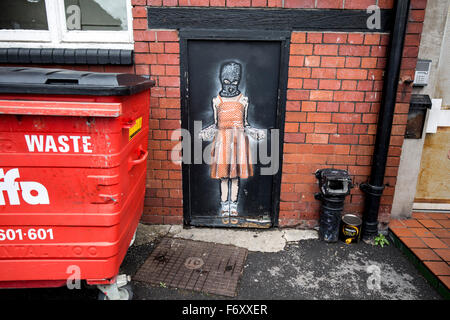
[233, 93]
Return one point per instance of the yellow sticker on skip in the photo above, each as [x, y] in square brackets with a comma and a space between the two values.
[135, 128]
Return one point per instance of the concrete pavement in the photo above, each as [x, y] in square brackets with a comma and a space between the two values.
[293, 264]
[282, 264]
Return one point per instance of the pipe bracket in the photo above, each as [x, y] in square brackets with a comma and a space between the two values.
[367, 188]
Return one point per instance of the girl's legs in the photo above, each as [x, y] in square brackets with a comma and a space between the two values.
[229, 207]
[225, 204]
[234, 189]
[234, 198]
[224, 189]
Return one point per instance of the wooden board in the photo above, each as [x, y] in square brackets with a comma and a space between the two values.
[264, 19]
[434, 178]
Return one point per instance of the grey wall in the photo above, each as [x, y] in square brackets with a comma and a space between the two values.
[432, 47]
[443, 79]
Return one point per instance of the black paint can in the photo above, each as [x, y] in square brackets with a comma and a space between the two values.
[350, 228]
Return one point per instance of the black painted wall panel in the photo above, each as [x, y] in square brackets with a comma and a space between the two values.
[266, 19]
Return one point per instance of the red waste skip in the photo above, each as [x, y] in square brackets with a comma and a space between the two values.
[73, 150]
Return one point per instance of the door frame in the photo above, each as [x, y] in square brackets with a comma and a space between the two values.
[235, 35]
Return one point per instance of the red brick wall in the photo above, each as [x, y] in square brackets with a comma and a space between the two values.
[334, 90]
[157, 54]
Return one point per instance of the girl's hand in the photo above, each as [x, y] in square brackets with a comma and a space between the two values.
[257, 134]
[208, 133]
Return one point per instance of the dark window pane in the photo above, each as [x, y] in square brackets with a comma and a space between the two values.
[96, 14]
[23, 14]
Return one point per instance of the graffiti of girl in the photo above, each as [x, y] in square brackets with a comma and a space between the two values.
[230, 153]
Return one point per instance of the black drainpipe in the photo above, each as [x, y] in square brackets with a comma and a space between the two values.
[374, 188]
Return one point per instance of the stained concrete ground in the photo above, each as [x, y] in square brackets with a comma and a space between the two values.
[282, 264]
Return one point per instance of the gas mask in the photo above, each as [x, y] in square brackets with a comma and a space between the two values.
[230, 76]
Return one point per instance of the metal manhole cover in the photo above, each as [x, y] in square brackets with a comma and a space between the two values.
[194, 265]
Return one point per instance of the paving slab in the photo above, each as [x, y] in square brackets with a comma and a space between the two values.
[259, 240]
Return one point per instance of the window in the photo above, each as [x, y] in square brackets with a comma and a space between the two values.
[66, 24]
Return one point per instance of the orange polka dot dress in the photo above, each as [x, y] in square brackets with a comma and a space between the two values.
[230, 153]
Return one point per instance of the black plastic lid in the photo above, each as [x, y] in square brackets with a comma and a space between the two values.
[62, 81]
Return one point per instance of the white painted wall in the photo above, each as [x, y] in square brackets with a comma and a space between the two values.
[443, 82]
[435, 46]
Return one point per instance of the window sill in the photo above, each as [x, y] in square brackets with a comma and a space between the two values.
[67, 56]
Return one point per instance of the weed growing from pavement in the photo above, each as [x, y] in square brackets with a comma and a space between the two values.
[381, 240]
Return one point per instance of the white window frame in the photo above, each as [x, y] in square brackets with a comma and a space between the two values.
[57, 35]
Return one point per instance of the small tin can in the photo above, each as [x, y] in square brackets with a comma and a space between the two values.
[350, 228]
